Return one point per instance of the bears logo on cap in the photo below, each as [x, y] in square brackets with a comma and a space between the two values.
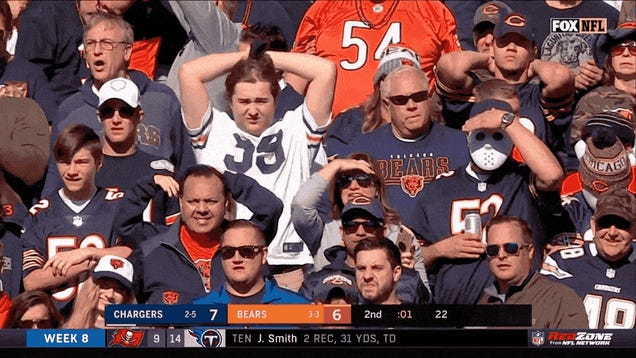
[490, 9]
[515, 20]
[116, 263]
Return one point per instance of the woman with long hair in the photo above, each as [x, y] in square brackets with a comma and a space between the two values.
[345, 179]
[110, 283]
[33, 309]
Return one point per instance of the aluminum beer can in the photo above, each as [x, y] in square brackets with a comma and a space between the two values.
[472, 223]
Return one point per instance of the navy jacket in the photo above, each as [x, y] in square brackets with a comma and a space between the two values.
[161, 131]
[410, 288]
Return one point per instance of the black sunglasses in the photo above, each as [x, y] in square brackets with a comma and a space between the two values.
[607, 221]
[125, 111]
[363, 179]
[42, 323]
[510, 248]
[246, 251]
[351, 226]
[401, 100]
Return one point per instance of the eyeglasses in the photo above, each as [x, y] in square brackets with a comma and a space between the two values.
[107, 45]
[125, 111]
[41, 323]
[351, 226]
[620, 49]
[510, 248]
[246, 251]
[363, 179]
[401, 100]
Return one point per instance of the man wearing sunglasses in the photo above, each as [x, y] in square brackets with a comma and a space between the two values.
[413, 149]
[362, 219]
[490, 184]
[510, 251]
[243, 251]
[603, 272]
[107, 44]
[512, 58]
[179, 262]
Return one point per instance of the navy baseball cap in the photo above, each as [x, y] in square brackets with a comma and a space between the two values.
[491, 12]
[516, 23]
[370, 208]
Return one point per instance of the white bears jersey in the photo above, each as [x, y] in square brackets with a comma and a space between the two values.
[280, 159]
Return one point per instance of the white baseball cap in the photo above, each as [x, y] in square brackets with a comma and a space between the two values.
[115, 267]
[120, 88]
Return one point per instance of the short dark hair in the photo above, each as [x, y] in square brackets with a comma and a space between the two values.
[27, 299]
[245, 224]
[201, 170]
[384, 244]
[526, 231]
[73, 139]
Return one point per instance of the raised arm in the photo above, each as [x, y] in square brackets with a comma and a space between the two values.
[453, 70]
[193, 75]
[545, 166]
[320, 74]
[557, 80]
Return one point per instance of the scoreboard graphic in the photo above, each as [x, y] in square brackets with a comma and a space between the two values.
[241, 326]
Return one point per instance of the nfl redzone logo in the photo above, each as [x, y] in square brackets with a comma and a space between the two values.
[579, 26]
[580, 338]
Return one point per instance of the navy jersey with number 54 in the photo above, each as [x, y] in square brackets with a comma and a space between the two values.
[53, 227]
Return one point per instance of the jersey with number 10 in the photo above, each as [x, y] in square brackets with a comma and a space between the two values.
[53, 227]
[336, 30]
[280, 159]
[608, 289]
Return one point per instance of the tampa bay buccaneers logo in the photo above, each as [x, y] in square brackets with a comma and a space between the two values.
[116, 263]
[170, 297]
[126, 338]
[412, 184]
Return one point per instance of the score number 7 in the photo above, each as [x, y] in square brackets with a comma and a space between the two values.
[392, 35]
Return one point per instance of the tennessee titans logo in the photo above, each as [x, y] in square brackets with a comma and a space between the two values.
[210, 338]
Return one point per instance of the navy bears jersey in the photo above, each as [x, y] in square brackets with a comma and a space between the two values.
[53, 227]
[441, 213]
[607, 288]
[12, 218]
[409, 165]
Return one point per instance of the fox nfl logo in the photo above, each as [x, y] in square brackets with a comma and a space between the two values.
[579, 26]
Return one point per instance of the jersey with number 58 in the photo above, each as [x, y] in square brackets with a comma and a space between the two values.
[53, 226]
[608, 289]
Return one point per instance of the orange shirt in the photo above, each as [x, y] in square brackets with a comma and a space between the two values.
[335, 30]
[200, 248]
